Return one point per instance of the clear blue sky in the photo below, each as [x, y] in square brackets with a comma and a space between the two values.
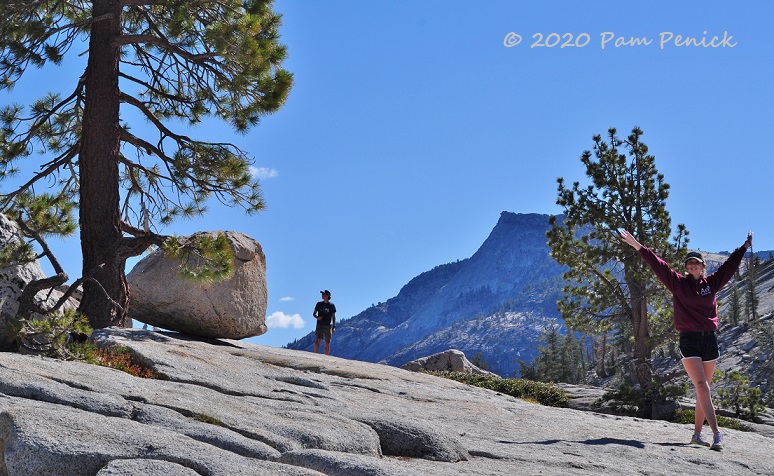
[412, 125]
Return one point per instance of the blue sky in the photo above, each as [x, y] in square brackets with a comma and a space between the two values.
[412, 125]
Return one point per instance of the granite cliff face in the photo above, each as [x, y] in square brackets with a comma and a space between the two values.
[496, 302]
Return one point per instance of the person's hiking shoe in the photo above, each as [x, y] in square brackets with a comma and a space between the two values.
[717, 442]
[696, 439]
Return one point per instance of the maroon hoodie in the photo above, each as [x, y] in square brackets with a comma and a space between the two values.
[695, 307]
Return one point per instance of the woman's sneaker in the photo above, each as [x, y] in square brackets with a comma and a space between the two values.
[717, 442]
[696, 439]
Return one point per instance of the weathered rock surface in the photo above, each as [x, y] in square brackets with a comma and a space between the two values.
[233, 308]
[451, 360]
[229, 407]
[134, 467]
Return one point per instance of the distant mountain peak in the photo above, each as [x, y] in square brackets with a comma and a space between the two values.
[511, 274]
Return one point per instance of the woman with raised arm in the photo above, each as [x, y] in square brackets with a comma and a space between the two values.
[696, 319]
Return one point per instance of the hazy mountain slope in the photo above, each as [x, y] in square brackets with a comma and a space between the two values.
[502, 338]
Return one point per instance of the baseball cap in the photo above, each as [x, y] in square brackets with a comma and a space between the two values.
[326, 292]
[694, 255]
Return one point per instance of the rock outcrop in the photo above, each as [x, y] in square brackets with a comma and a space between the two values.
[233, 308]
[225, 407]
[451, 360]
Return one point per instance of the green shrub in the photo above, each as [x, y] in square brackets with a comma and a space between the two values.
[630, 401]
[84, 352]
[688, 416]
[49, 335]
[543, 393]
[116, 357]
[65, 337]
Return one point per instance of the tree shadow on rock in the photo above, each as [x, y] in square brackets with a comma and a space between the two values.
[594, 442]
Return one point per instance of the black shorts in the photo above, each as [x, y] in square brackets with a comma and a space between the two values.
[703, 345]
[323, 332]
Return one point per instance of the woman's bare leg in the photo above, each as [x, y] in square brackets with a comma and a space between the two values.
[700, 374]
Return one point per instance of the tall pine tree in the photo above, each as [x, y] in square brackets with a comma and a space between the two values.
[172, 64]
[608, 285]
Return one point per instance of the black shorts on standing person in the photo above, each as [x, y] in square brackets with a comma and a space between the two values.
[703, 345]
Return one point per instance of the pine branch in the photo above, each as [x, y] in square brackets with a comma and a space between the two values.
[7, 199]
[27, 304]
[200, 59]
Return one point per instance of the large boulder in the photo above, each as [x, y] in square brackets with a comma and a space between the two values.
[13, 279]
[232, 308]
[451, 360]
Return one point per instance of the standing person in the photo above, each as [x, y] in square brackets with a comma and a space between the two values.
[696, 319]
[325, 313]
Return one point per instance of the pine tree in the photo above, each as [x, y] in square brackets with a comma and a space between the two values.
[547, 366]
[560, 360]
[735, 306]
[173, 64]
[600, 348]
[608, 286]
[743, 399]
[479, 360]
[573, 366]
[751, 300]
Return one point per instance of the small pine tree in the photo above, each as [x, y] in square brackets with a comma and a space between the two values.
[479, 361]
[571, 358]
[751, 294]
[546, 366]
[549, 362]
[745, 400]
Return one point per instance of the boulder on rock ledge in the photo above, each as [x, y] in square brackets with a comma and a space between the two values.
[232, 308]
[451, 360]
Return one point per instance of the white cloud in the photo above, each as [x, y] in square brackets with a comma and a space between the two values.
[263, 172]
[280, 320]
[286, 299]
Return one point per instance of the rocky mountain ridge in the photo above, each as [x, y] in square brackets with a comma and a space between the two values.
[510, 278]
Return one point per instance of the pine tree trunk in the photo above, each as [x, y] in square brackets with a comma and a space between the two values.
[103, 270]
[602, 360]
[642, 346]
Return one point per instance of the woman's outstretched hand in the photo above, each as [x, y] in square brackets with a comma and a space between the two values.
[748, 243]
[630, 240]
